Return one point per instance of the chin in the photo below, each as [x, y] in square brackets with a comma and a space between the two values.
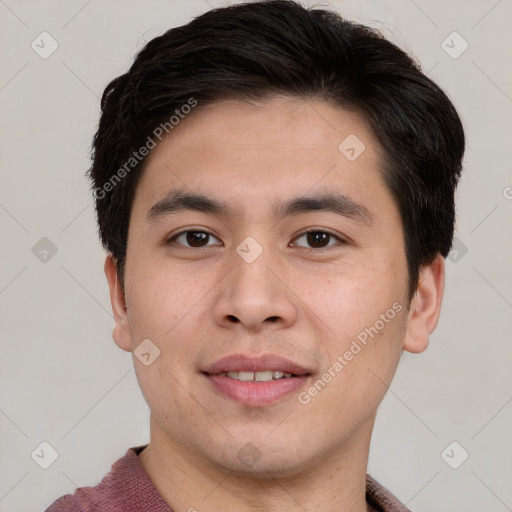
[261, 459]
[275, 467]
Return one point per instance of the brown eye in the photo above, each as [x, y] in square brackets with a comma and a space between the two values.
[194, 239]
[317, 240]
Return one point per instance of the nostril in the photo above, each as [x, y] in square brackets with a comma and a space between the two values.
[272, 319]
[233, 319]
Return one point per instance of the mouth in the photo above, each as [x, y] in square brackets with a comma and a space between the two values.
[256, 381]
[262, 376]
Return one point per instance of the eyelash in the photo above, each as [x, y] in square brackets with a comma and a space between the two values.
[338, 239]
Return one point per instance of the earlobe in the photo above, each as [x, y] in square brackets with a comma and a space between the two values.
[425, 306]
[121, 333]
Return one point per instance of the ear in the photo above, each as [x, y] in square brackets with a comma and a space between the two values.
[121, 333]
[425, 306]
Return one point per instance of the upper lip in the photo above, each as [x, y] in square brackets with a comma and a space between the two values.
[240, 362]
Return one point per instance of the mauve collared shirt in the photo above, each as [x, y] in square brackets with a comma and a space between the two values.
[127, 488]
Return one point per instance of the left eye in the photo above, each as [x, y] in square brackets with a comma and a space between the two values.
[316, 240]
[195, 239]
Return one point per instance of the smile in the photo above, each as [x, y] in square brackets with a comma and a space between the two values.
[263, 376]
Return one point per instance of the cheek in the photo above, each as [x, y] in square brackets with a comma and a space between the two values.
[362, 357]
[160, 297]
[353, 296]
[364, 309]
[164, 307]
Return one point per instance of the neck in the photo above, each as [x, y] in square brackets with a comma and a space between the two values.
[188, 483]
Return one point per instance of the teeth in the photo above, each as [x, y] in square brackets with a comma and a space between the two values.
[263, 376]
[246, 376]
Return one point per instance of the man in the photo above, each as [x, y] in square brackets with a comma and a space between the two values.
[275, 190]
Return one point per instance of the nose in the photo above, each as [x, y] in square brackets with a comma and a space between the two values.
[254, 297]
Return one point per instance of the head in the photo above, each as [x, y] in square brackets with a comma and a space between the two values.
[250, 127]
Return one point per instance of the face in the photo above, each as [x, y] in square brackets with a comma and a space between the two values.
[266, 264]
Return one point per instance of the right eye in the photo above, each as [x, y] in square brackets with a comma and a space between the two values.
[194, 238]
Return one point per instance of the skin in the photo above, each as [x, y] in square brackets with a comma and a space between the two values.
[198, 304]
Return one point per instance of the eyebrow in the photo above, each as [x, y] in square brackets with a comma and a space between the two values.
[180, 200]
[329, 202]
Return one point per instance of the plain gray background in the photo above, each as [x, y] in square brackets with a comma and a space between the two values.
[63, 380]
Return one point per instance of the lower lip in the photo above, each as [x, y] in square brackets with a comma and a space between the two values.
[257, 394]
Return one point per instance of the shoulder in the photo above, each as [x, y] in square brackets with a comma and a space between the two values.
[68, 503]
[381, 498]
[126, 487]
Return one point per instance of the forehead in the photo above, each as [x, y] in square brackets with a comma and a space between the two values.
[293, 124]
[251, 152]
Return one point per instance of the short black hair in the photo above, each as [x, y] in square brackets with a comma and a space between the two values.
[256, 50]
